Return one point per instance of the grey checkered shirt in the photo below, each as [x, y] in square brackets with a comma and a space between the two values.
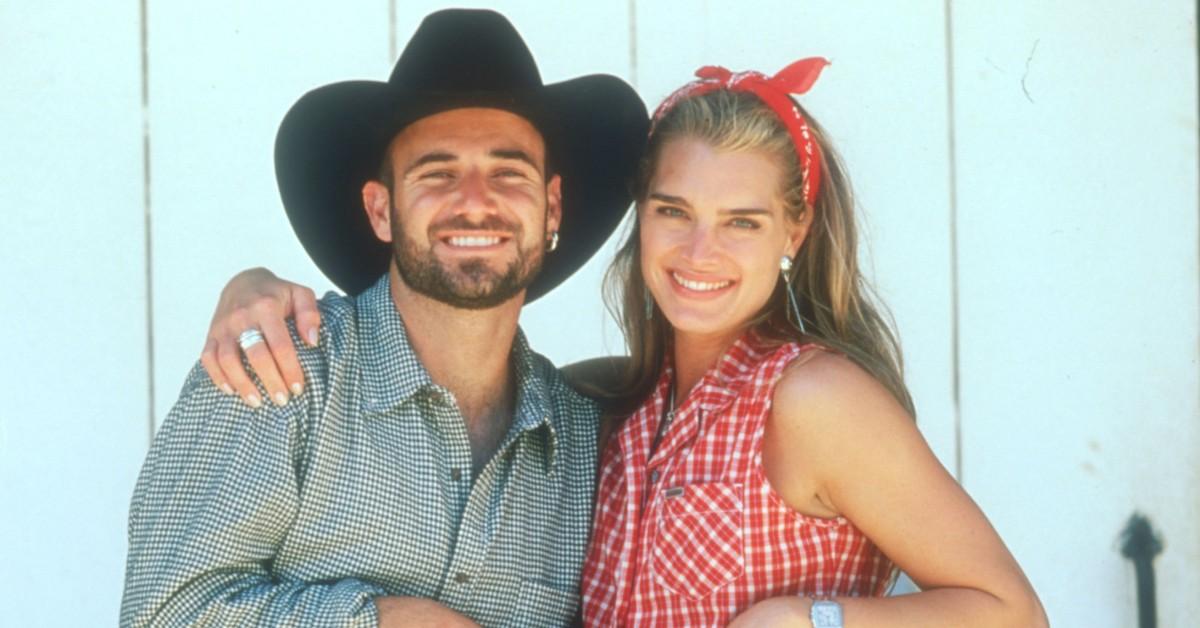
[361, 487]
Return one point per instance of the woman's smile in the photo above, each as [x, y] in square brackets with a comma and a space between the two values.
[692, 285]
[713, 230]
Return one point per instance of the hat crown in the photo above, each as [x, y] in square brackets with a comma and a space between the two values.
[461, 50]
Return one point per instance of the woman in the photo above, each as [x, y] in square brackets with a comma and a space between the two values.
[771, 473]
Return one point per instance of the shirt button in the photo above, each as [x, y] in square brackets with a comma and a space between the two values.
[456, 474]
[462, 578]
[437, 398]
[654, 475]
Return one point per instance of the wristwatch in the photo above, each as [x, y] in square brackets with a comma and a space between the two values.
[826, 614]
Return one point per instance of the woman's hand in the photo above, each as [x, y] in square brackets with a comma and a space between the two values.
[776, 612]
[257, 299]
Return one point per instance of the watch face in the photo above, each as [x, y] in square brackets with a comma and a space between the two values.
[826, 614]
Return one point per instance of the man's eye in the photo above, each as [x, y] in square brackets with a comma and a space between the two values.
[670, 211]
[437, 174]
[509, 173]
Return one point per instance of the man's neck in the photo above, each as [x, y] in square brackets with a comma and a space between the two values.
[467, 352]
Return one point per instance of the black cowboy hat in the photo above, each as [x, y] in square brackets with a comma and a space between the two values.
[333, 140]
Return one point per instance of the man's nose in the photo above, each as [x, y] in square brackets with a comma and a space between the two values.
[475, 196]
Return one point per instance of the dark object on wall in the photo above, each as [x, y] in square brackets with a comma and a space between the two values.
[1140, 544]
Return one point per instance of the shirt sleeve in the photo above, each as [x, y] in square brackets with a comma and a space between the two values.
[213, 502]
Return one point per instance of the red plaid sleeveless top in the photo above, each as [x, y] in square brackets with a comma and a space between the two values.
[695, 534]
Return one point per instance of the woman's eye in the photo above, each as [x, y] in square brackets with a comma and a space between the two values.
[669, 211]
[744, 223]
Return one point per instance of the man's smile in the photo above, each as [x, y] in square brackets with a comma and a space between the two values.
[473, 241]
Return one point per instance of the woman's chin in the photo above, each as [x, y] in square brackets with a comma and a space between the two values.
[705, 324]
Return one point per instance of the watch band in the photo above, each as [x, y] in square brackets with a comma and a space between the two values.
[826, 614]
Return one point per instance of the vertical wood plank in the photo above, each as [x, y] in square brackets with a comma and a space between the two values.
[222, 75]
[1077, 145]
[73, 429]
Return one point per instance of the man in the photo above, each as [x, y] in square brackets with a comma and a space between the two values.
[435, 471]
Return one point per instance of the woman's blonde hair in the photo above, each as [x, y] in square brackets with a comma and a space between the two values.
[838, 306]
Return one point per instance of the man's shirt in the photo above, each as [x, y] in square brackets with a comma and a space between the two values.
[362, 487]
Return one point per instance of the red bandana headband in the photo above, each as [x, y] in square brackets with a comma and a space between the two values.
[797, 78]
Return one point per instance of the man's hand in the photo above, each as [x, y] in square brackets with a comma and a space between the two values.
[257, 299]
[415, 612]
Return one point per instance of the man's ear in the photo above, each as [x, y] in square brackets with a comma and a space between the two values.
[553, 204]
[377, 202]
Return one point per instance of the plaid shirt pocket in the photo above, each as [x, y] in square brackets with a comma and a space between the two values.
[698, 548]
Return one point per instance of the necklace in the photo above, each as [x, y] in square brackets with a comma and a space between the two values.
[667, 418]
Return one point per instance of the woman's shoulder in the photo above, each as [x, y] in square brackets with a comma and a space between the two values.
[836, 423]
[823, 390]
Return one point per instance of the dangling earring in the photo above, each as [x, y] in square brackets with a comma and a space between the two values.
[553, 242]
[649, 299]
[785, 270]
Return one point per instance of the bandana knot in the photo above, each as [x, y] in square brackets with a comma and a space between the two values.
[775, 92]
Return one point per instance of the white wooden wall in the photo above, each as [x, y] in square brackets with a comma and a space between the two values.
[1027, 173]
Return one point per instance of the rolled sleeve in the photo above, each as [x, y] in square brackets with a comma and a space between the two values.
[215, 498]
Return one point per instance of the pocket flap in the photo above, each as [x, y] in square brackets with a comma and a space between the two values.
[697, 499]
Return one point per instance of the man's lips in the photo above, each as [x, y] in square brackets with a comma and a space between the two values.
[473, 240]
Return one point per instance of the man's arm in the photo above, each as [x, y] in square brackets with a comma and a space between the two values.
[597, 378]
[215, 498]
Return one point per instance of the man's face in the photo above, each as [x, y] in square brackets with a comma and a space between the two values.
[470, 209]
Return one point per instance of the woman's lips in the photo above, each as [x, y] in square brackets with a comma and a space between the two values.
[699, 286]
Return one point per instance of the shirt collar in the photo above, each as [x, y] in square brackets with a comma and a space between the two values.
[736, 366]
[533, 407]
[393, 373]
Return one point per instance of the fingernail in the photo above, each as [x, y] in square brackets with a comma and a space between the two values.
[296, 388]
[254, 401]
[281, 399]
[313, 337]
[227, 389]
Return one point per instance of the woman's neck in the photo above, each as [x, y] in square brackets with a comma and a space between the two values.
[694, 355]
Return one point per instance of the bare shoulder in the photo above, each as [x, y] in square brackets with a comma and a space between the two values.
[832, 412]
[823, 386]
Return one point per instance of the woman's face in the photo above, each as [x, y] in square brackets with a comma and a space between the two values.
[713, 231]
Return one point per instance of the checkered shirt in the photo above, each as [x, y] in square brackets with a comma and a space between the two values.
[361, 487]
[695, 534]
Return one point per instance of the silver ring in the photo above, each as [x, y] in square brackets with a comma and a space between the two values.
[249, 338]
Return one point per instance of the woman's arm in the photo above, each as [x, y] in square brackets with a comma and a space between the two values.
[837, 443]
[257, 299]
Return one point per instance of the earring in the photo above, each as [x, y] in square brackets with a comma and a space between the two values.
[785, 270]
[550, 248]
[649, 299]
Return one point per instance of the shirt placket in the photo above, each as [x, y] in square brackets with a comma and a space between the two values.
[661, 472]
[482, 511]
[470, 501]
[677, 438]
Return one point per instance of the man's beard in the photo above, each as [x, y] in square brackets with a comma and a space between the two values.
[473, 284]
